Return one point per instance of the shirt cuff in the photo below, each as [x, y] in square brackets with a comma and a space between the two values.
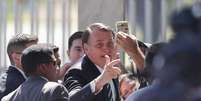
[93, 86]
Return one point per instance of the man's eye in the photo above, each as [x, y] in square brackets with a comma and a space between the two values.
[79, 49]
[99, 45]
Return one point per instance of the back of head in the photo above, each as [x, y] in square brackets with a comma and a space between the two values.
[186, 20]
[35, 55]
[180, 62]
[95, 27]
[19, 42]
[151, 53]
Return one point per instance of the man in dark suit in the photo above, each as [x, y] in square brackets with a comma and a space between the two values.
[39, 63]
[15, 76]
[95, 70]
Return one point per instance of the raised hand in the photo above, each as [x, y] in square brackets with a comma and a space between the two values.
[130, 45]
[127, 42]
[108, 73]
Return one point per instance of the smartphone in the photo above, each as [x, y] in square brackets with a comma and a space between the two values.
[122, 26]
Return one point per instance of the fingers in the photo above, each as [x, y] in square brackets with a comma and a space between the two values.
[107, 59]
[121, 35]
[114, 62]
[117, 71]
[114, 71]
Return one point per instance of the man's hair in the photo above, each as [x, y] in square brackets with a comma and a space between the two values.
[74, 36]
[184, 20]
[180, 62]
[95, 27]
[53, 47]
[36, 55]
[151, 53]
[130, 76]
[18, 43]
[55, 50]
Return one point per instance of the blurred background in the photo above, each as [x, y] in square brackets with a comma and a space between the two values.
[55, 20]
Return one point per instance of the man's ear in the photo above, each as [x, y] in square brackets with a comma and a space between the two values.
[15, 57]
[42, 68]
[68, 52]
[85, 47]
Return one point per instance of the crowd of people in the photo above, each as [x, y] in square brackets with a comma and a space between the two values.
[164, 70]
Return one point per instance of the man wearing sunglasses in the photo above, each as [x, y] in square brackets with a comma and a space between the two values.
[39, 63]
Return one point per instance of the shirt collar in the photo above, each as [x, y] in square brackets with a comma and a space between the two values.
[99, 68]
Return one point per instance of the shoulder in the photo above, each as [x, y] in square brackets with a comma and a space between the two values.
[56, 90]
[12, 72]
[76, 66]
[51, 85]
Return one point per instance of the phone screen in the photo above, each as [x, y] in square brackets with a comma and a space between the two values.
[122, 26]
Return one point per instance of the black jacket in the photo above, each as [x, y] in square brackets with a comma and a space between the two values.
[13, 79]
[79, 78]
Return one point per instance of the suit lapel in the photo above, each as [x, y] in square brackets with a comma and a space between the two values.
[90, 69]
[92, 72]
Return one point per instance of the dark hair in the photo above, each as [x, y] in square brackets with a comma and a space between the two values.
[56, 54]
[18, 43]
[74, 36]
[95, 27]
[53, 47]
[184, 20]
[180, 62]
[129, 76]
[151, 53]
[35, 55]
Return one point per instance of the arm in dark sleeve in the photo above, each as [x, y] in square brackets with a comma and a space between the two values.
[77, 86]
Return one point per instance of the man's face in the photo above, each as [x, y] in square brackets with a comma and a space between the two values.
[100, 43]
[76, 50]
[127, 87]
[51, 70]
[58, 60]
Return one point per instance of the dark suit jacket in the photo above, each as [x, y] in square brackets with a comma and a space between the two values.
[78, 80]
[37, 88]
[13, 80]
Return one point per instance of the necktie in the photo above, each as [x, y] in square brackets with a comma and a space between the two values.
[111, 91]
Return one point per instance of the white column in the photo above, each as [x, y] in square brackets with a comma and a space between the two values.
[69, 23]
[50, 21]
[34, 17]
[17, 8]
[132, 16]
[65, 29]
[73, 13]
[148, 21]
[163, 20]
[3, 29]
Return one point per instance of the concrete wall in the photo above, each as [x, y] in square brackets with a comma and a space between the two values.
[105, 11]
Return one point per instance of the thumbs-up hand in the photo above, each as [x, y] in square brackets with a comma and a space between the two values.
[110, 72]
